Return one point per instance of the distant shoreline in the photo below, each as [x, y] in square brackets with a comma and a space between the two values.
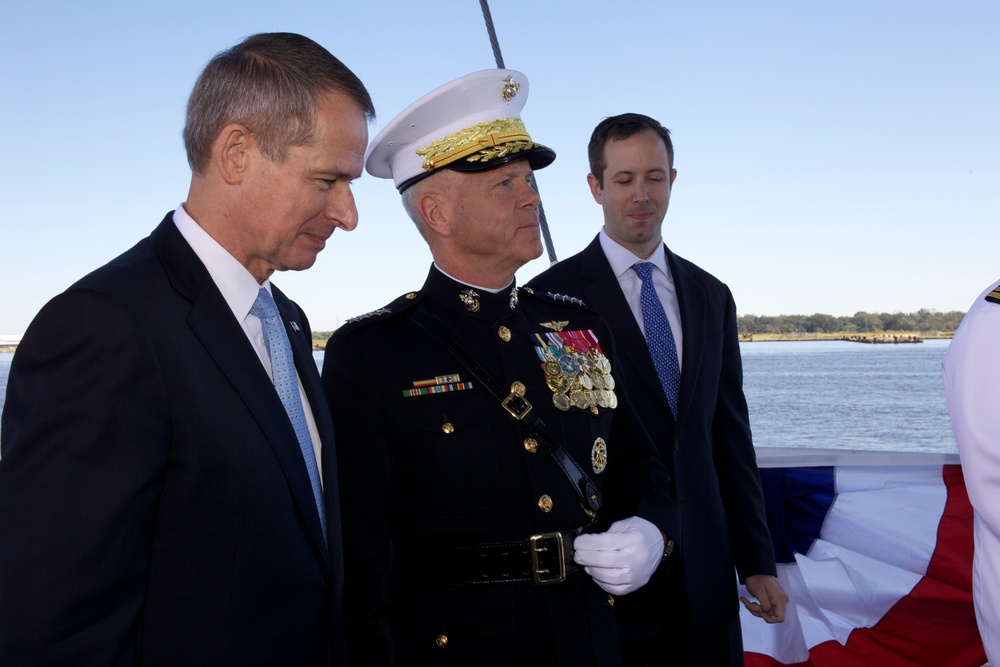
[890, 337]
[319, 343]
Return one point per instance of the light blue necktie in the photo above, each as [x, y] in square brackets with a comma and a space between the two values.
[287, 385]
[659, 337]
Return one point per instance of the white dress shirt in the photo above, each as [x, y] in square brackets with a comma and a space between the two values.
[621, 260]
[239, 288]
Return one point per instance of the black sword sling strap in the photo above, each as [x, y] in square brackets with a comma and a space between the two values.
[518, 408]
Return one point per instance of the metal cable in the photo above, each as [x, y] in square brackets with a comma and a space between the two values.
[495, 44]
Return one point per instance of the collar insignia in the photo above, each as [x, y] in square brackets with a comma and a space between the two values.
[468, 297]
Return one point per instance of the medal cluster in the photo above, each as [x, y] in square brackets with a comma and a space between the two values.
[579, 379]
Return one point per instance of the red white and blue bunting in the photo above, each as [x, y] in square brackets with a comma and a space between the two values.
[875, 553]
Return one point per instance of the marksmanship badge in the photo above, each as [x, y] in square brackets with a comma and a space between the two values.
[599, 455]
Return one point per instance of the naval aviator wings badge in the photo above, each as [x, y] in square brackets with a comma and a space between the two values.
[576, 370]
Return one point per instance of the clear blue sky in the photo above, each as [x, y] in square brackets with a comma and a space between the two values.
[832, 156]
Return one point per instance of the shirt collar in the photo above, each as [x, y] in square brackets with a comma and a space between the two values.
[478, 287]
[238, 286]
[622, 259]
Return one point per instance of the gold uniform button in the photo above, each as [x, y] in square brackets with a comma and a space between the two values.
[531, 445]
[411, 296]
[545, 503]
[504, 334]
[441, 640]
[611, 600]
[448, 428]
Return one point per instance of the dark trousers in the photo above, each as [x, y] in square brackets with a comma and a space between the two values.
[680, 644]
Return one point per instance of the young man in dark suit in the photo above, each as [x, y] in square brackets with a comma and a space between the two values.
[686, 386]
[168, 475]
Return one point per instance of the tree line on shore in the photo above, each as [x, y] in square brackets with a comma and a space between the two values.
[861, 322]
[922, 321]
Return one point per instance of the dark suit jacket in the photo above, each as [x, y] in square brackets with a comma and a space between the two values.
[155, 504]
[708, 449]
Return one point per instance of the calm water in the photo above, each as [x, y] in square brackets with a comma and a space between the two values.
[831, 394]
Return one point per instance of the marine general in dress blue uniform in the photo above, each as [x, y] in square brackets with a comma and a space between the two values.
[498, 490]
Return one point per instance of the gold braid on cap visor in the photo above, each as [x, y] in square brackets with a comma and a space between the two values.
[479, 143]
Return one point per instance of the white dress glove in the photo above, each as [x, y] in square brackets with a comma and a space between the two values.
[622, 559]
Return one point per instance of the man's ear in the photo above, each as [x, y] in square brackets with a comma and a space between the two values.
[434, 210]
[231, 152]
[595, 188]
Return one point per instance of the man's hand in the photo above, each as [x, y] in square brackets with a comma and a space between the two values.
[770, 595]
[622, 559]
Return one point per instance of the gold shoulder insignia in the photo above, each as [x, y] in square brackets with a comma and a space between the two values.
[555, 326]
[994, 296]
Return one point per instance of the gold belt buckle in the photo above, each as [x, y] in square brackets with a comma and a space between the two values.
[546, 548]
[518, 412]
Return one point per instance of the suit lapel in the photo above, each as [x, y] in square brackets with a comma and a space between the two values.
[602, 292]
[691, 300]
[212, 322]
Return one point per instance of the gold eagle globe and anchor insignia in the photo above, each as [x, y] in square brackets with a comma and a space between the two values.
[470, 298]
[510, 88]
[576, 371]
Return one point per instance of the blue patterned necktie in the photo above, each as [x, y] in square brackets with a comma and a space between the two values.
[287, 385]
[659, 337]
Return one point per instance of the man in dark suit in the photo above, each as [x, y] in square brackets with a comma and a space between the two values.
[161, 504]
[479, 429]
[698, 421]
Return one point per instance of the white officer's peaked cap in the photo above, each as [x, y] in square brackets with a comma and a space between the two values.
[470, 124]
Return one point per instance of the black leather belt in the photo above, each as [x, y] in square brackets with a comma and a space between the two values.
[541, 559]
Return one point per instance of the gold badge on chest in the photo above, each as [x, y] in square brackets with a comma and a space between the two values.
[599, 455]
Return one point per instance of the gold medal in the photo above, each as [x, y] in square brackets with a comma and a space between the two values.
[585, 381]
[552, 368]
[558, 384]
[613, 401]
[609, 382]
[602, 398]
[598, 380]
[601, 363]
[561, 401]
